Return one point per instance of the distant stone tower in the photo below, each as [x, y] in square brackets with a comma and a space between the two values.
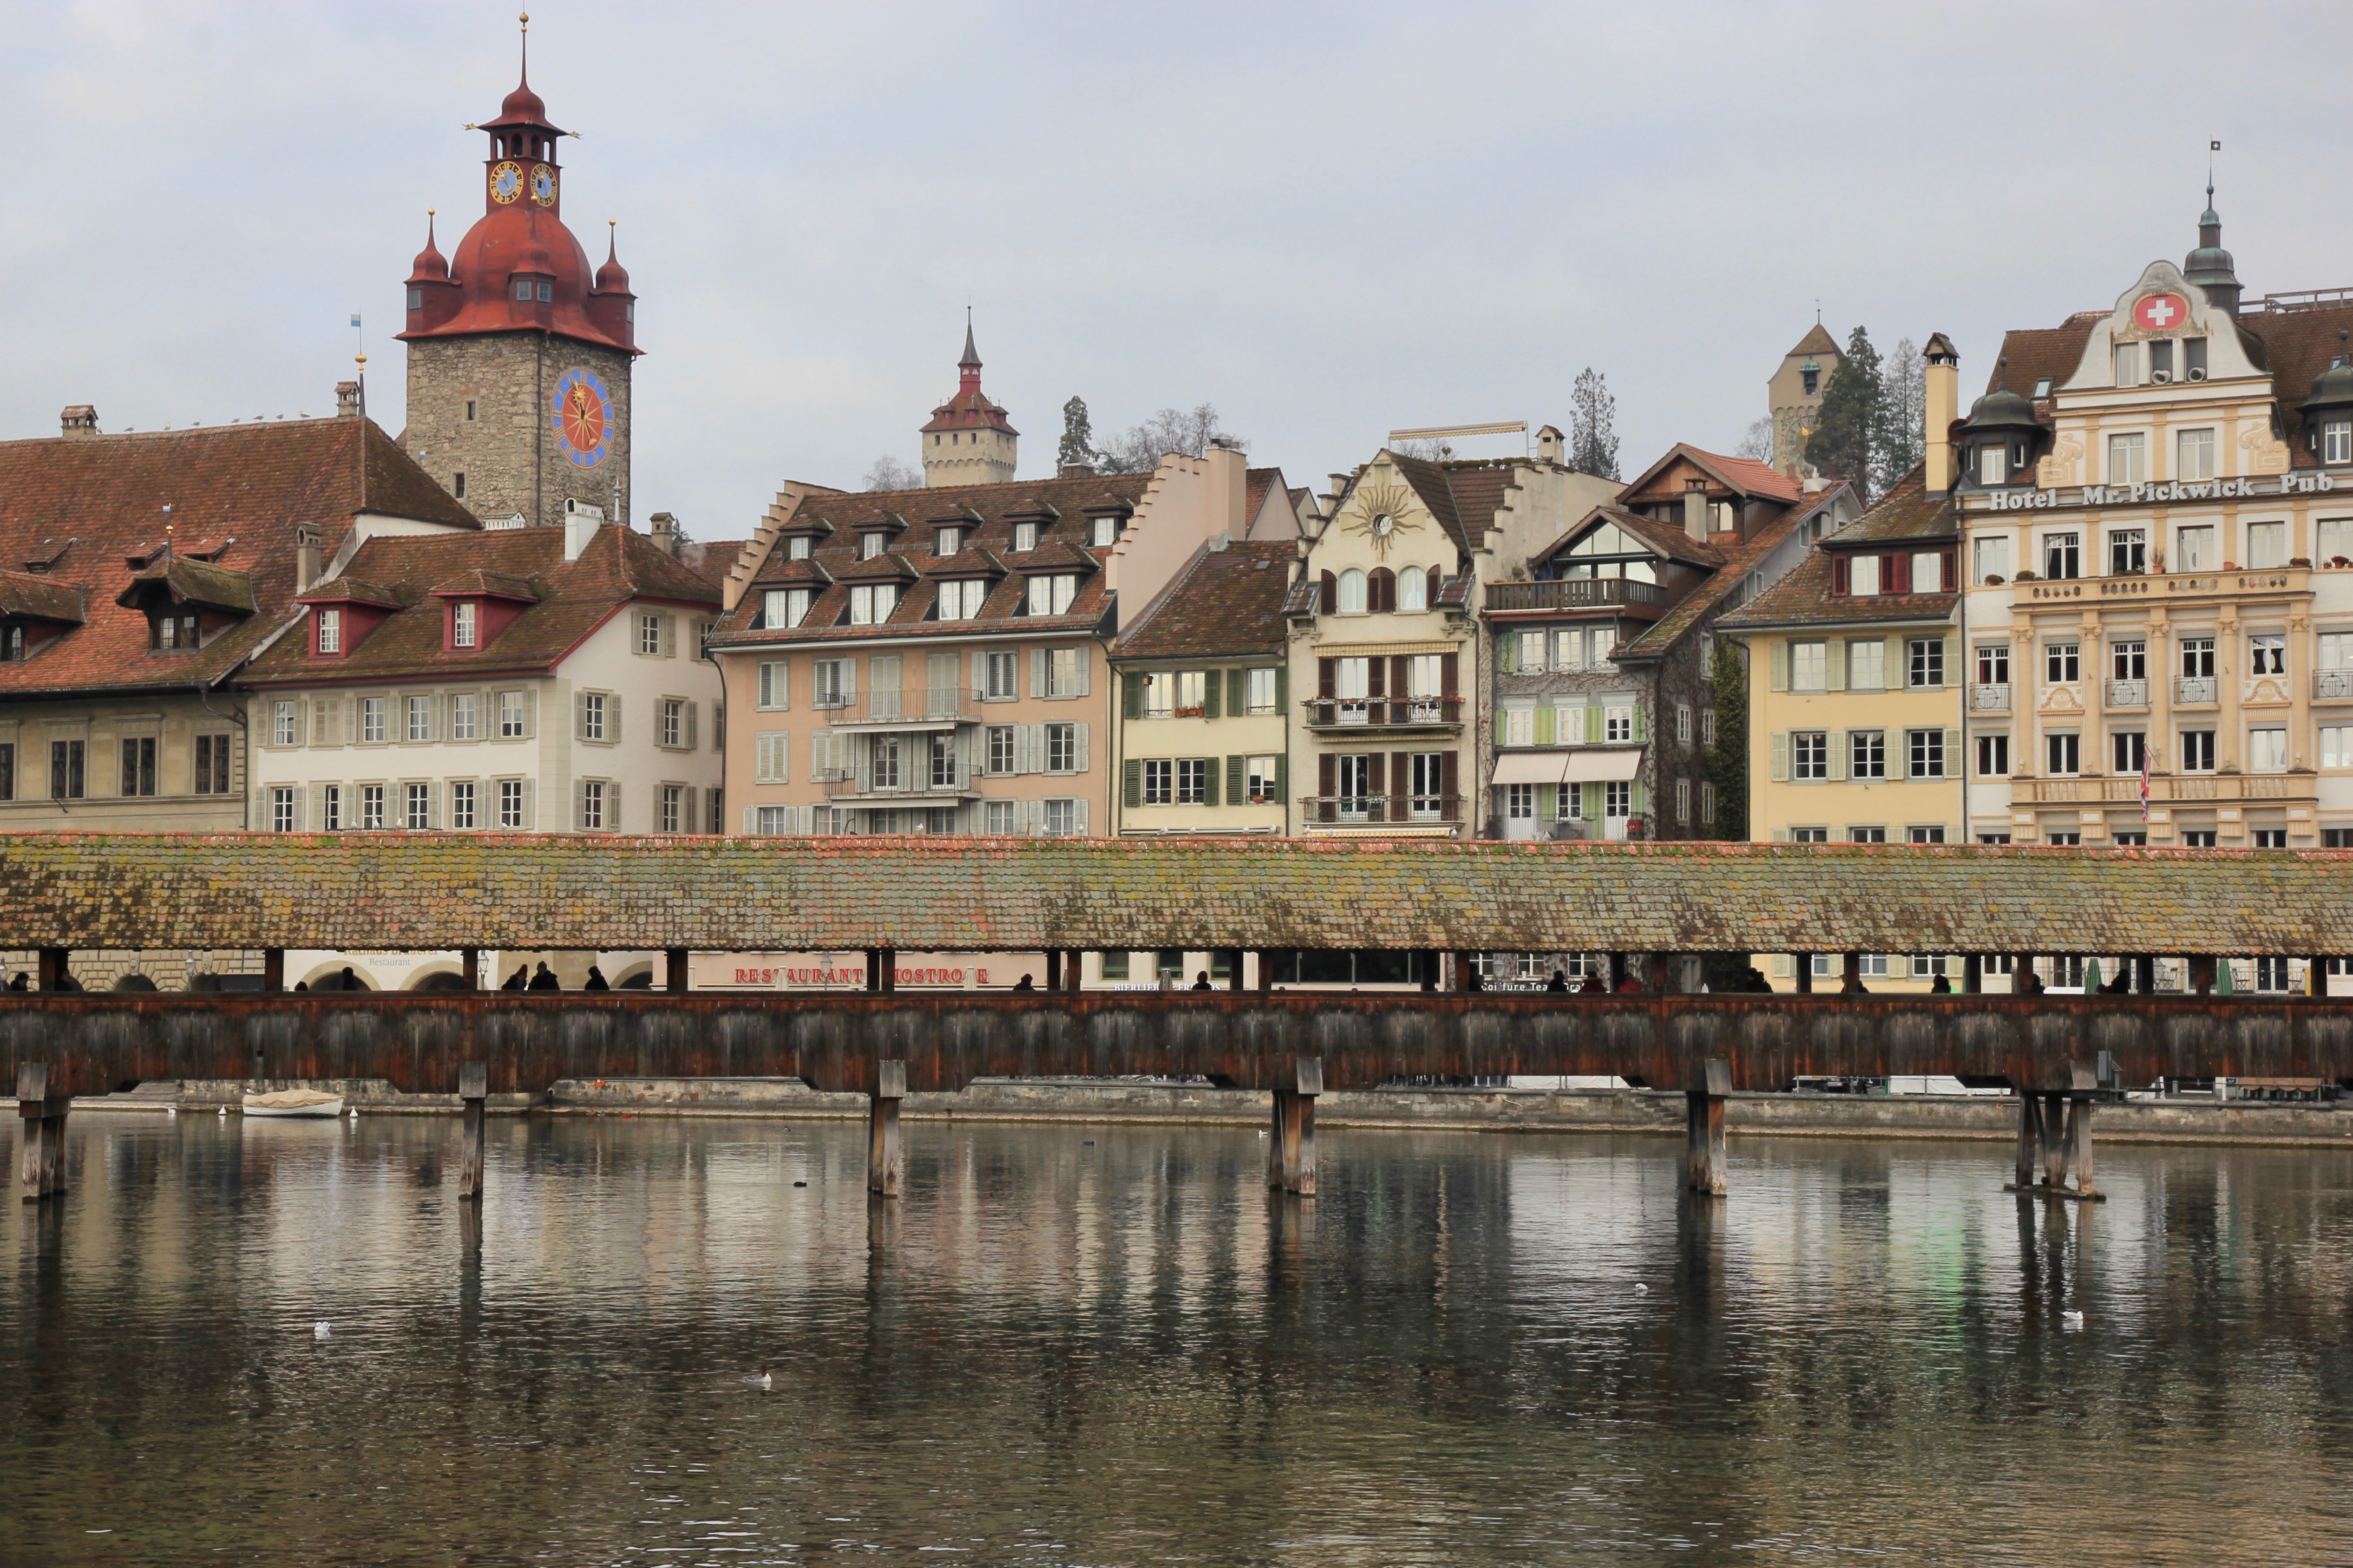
[1794, 396]
[518, 356]
[969, 441]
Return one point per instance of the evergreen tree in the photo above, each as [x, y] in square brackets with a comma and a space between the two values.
[1727, 770]
[1903, 415]
[1592, 426]
[1077, 440]
[1843, 445]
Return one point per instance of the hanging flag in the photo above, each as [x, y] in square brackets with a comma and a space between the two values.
[355, 318]
[2144, 784]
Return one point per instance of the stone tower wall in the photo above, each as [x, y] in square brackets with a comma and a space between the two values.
[968, 458]
[510, 379]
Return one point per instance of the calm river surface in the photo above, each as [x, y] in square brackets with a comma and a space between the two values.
[1075, 1345]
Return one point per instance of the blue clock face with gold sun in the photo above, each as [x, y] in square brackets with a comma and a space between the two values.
[583, 410]
[506, 182]
[542, 185]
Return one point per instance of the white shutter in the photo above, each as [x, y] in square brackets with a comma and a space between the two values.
[530, 714]
[669, 637]
[1039, 659]
[1079, 817]
[1033, 816]
[751, 818]
[692, 709]
[1780, 662]
[1780, 756]
[1952, 754]
[613, 808]
[318, 803]
[1079, 657]
[1780, 835]
[1079, 750]
[1780, 966]
[530, 805]
[1834, 658]
[579, 715]
[1835, 742]
[580, 806]
[767, 684]
[613, 719]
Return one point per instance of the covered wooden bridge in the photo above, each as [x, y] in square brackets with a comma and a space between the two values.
[407, 892]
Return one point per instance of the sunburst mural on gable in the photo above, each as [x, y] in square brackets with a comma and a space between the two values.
[1382, 517]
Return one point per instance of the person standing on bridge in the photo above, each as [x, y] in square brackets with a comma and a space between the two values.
[544, 980]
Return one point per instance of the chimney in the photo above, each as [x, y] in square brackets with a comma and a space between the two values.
[1548, 445]
[1695, 509]
[1076, 471]
[581, 521]
[306, 556]
[665, 531]
[347, 400]
[1943, 377]
[78, 421]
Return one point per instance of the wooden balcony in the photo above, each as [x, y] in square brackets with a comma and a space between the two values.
[1575, 594]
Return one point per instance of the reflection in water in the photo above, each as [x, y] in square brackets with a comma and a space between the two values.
[1113, 1345]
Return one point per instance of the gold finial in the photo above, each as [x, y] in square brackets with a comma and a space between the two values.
[428, 212]
[525, 20]
[361, 360]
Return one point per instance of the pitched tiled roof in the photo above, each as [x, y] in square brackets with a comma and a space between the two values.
[709, 558]
[2300, 344]
[570, 599]
[418, 892]
[1906, 513]
[1058, 507]
[1463, 497]
[2040, 353]
[1697, 604]
[475, 582]
[1745, 475]
[1224, 602]
[198, 582]
[1256, 483]
[1815, 342]
[44, 598]
[239, 491]
[350, 590]
[1663, 540]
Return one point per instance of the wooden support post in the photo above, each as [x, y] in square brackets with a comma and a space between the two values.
[874, 969]
[1235, 956]
[273, 969]
[1265, 970]
[2029, 1138]
[884, 1164]
[2315, 977]
[51, 969]
[42, 1102]
[1466, 972]
[2144, 968]
[1703, 1124]
[1053, 969]
[1854, 977]
[469, 965]
[676, 974]
[1074, 971]
[1972, 973]
[1274, 1137]
[2054, 1143]
[2201, 975]
[1296, 1132]
[2079, 1134]
[1617, 973]
[1801, 968]
[886, 967]
[2021, 974]
[1661, 978]
[473, 1089]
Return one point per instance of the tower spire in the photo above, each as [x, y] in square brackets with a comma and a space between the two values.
[525, 20]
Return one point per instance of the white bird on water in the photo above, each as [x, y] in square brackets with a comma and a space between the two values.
[759, 1379]
[2073, 1319]
[1642, 1290]
[319, 1332]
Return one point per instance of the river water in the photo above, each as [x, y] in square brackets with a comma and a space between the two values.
[1108, 1345]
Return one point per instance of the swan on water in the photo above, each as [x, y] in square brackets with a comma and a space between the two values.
[759, 1379]
[319, 1332]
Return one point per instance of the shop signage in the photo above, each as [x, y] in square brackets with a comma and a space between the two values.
[2168, 491]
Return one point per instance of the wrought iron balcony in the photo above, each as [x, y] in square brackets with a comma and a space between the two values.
[914, 780]
[1383, 712]
[2127, 693]
[1382, 810]
[929, 706]
[1987, 696]
[1573, 594]
[2332, 685]
[2194, 691]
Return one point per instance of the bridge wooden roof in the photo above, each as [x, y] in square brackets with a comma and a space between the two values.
[407, 892]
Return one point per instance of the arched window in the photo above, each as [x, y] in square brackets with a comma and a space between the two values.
[1352, 592]
[1413, 591]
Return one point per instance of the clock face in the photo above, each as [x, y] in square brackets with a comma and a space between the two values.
[583, 411]
[506, 182]
[542, 185]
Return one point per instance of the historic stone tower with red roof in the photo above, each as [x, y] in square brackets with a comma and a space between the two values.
[519, 354]
[968, 440]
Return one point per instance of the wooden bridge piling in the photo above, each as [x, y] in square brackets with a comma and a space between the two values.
[885, 1161]
[1703, 1124]
[42, 1102]
[473, 1089]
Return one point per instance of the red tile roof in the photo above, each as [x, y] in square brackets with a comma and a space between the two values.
[570, 599]
[1223, 603]
[88, 503]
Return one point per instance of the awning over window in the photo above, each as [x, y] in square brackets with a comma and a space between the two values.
[1583, 765]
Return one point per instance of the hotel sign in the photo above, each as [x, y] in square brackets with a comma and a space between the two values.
[2169, 490]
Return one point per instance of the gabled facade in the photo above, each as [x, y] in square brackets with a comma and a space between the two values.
[937, 660]
[1793, 397]
[1603, 707]
[2158, 498]
[1204, 731]
[1391, 690]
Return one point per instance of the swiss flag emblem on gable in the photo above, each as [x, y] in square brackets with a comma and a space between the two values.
[2161, 312]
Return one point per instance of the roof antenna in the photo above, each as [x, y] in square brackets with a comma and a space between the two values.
[2211, 148]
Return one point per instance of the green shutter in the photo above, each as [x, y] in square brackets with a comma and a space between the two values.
[1634, 801]
[1593, 726]
[1238, 691]
[1281, 764]
[1543, 727]
[1208, 780]
[1642, 720]
[1212, 695]
[1503, 733]
[1507, 654]
[1132, 696]
[1236, 780]
[1591, 794]
[1283, 688]
[1548, 801]
[1131, 782]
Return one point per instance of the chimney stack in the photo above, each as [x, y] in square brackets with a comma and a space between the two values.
[306, 556]
[1695, 509]
[1943, 400]
[666, 533]
[1548, 445]
[581, 521]
[347, 400]
[79, 422]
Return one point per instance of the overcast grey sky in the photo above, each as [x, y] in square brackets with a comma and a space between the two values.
[1327, 220]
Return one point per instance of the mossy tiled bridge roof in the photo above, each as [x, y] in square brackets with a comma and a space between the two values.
[403, 891]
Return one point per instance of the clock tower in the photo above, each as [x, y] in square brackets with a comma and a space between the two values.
[519, 353]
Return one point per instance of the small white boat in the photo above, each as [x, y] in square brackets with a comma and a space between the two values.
[306, 1102]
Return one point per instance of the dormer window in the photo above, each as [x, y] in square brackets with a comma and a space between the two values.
[797, 548]
[870, 546]
[1993, 465]
[174, 631]
[2336, 441]
[11, 643]
[1025, 537]
[331, 631]
[782, 609]
[1105, 532]
[465, 625]
[416, 299]
[527, 288]
[961, 600]
[947, 542]
[2128, 364]
[2043, 385]
[870, 604]
[1862, 577]
[1051, 596]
